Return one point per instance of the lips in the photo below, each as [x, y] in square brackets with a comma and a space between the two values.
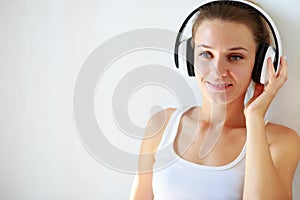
[218, 86]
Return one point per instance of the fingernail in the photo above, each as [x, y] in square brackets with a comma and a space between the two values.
[285, 58]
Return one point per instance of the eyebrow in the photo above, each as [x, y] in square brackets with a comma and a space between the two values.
[231, 49]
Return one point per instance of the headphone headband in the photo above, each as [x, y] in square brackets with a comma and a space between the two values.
[261, 12]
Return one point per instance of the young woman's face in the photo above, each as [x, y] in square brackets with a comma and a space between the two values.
[224, 59]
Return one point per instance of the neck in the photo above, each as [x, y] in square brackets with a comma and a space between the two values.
[230, 114]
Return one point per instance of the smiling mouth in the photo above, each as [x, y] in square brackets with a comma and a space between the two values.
[219, 86]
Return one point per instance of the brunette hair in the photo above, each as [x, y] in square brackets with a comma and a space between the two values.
[233, 11]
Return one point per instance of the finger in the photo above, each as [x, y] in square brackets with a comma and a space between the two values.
[282, 73]
[283, 66]
[271, 70]
[277, 81]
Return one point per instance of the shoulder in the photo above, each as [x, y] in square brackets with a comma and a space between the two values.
[159, 121]
[155, 128]
[277, 133]
[161, 117]
[284, 143]
[152, 135]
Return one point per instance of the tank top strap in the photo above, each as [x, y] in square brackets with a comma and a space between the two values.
[266, 121]
[170, 131]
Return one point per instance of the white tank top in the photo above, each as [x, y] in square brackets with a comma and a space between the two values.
[177, 179]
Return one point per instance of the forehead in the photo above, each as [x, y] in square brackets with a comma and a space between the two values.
[218, 32]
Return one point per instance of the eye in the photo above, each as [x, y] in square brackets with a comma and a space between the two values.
[205, 54]
[236, 57]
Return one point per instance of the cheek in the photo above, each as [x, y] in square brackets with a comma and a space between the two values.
[244, 74]
[244, 77]
[198, 76]
[200, 80]
[202, 68]
[245, 71]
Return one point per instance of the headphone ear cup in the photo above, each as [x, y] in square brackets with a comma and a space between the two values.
[184, 57]
[190, 58]
[259, 62]
[271, 53]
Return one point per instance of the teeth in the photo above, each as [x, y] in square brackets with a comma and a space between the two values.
[221, 85]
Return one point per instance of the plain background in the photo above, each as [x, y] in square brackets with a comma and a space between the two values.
[43, 45]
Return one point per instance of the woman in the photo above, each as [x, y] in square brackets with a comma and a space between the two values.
[250, 159]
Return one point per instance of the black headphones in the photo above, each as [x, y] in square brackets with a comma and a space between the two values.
[260, 70]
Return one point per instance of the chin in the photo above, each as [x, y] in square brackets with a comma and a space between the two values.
[219, 100]
[222, 98]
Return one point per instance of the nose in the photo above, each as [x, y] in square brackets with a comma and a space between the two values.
[220, 66]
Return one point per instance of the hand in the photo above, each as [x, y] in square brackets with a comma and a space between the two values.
[264, 94]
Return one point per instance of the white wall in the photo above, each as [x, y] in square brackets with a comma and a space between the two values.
[43, 45]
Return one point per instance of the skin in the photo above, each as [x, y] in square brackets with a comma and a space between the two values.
[224, 58]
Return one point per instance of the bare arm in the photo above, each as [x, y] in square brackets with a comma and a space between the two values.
[270, 166]
[142, 185]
